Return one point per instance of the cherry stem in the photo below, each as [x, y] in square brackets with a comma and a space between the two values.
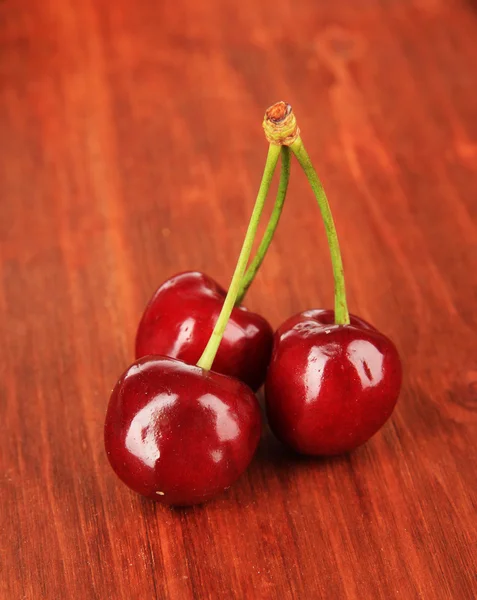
[341, 307]
[256, 263]
[208, 356]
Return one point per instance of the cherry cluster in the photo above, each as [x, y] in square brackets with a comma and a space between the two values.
[183, 422]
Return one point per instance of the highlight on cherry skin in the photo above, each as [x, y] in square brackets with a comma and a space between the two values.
[330, 388]
[179, 320]
[177, 433]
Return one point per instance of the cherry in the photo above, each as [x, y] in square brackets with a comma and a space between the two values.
[180, 433]
[333, 379]
[330, 387]
[177, 433]
[179, 320]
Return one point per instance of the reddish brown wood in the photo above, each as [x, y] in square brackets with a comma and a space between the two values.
[131, 148]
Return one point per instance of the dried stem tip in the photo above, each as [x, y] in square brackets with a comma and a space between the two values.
[280, 125]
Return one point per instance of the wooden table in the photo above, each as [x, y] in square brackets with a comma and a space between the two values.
[131, 149]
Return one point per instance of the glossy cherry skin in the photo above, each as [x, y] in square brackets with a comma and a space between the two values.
[329, 387]
[179, 434]
[179, 320]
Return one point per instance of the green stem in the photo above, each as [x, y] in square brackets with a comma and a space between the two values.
[271, 227]
[208, 356]
[341, 307]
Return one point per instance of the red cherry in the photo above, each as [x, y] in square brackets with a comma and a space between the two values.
[179, 320]
[329, 387]
[177, 433]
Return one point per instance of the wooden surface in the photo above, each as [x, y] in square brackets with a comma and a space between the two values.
[131, 149]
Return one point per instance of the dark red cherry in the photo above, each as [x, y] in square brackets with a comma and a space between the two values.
[179, 320]
[329, 387]
[179, 434]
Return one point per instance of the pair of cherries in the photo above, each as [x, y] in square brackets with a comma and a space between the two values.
[181, 433]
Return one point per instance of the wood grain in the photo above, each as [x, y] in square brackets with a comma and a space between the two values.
[131, 149]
